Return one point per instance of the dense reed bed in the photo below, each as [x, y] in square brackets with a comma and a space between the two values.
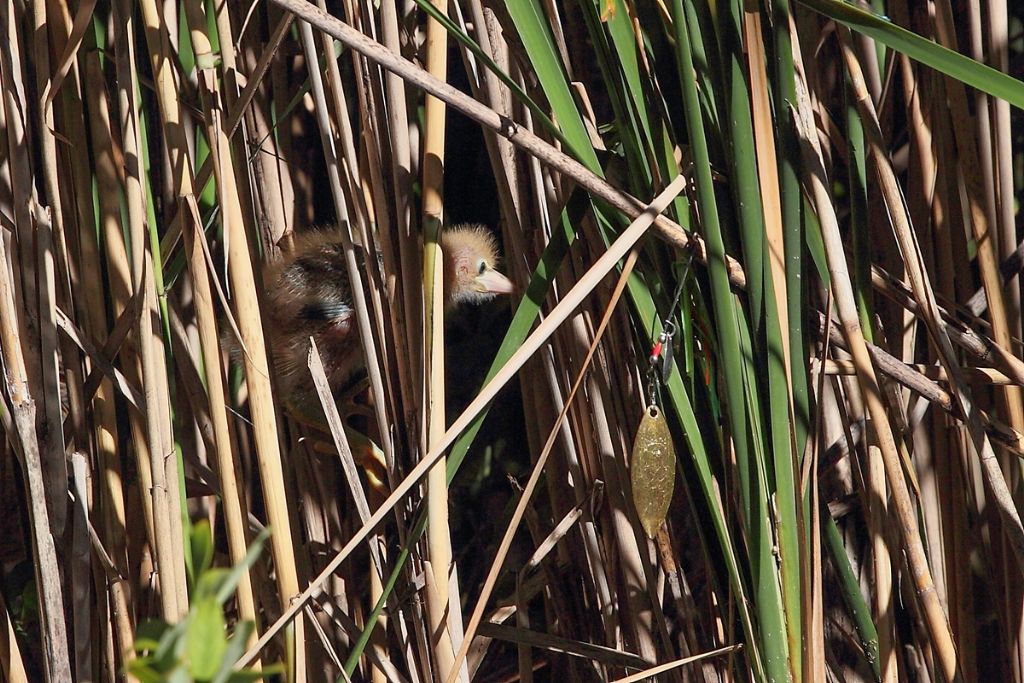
[810, 208]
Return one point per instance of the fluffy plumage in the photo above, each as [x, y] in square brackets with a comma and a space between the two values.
[309, 295]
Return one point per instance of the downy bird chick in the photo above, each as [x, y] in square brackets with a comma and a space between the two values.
[309, 295]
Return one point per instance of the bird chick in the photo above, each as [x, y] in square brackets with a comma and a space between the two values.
[309, 295]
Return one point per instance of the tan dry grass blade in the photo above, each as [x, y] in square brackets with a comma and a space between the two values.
[662, 668]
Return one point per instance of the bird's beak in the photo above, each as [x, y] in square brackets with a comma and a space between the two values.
[494, 282]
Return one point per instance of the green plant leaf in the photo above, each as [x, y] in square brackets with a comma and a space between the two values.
[210, 583]
[170, 648]
[149, 634]
[201, 540]
[206, 642]
[234, 650]
[142, 669]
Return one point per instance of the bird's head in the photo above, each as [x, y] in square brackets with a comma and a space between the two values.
[470, 254]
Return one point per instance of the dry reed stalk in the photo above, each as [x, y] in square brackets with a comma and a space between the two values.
[983, 172]
[144, 427]
[166, 495]
[923, 293]
[984, 349]
[487, 88]
[334, 423]
[439, 556]
[1002, 144]
[240, 271]
[343, 126]
[935, 618]
[1000, 186]
[22, 183]
[197, 260]
[984, 232]
[394, 144]
[883, 594]
[51, 255]
[933, 372]
[57, 665]
[13, 334]
[79, 573]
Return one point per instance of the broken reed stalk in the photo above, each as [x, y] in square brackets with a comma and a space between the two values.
[24, 436]
[55, 649]
[935, 619]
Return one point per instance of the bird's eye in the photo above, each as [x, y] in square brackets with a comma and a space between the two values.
[482, 268]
